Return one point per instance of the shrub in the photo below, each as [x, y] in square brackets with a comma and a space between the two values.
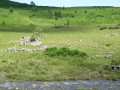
[3, 23]
[74, 52]
[85, 11]
[113, 27]
[11, 9]
[59, 14]
[102, 28]
[108, 44]
[75, 11]
[52, 51]
[58, 27]
[63, 7]
[83, 54]
[64, 51]
[32, 39]
[56, 13]
[56, 18]
[68, 22]
[115, 62]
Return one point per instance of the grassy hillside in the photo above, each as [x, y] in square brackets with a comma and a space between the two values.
[93, 30]
[26, 14]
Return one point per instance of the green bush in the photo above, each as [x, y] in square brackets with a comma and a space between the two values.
[115, 62]
[3, 23]
[64, 51]
[11, 9]
[114, 27]
[56, 18]
[68, 22]
[52, 51]
[32, 39]
[102, 28]
[108, 44]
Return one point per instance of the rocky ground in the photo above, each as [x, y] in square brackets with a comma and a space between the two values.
[62, 85]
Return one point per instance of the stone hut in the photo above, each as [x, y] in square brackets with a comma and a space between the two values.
[27, 41]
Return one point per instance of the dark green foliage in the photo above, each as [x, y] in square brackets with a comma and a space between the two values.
[32, 39]
[14, 76]
[48, 10]
[11, 10]
[32, 25]
[70, 15]
[58, 27]
[115, 79]
[68, 22]
[99, 16]
[55, 13]
[51, 51]
[108, 44]
[115, 62]
[85, 11]
[58, 14]
[64, 51]
[114, 27]
[56, 18]
[3, 23]
[63, 7]
[75, 11]
[102, 28]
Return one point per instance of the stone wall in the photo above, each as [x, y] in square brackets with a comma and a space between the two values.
[14, 49]
[26, 41]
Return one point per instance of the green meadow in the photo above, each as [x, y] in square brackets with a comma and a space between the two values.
[93, 30]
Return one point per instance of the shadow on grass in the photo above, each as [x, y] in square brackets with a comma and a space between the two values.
[17, 29]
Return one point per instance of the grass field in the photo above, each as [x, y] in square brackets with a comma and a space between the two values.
[84, 33]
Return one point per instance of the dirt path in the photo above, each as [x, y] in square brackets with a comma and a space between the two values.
[62, 85]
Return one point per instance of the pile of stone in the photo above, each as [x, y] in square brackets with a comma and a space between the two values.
[113, 34]
[103, 56]
[112, 67]
[108, 55]
[27, 41]
[25, 49]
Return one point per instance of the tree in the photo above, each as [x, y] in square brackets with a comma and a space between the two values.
[32, 3]
[63, 7]
[59, 14]
[11, 9]
[85, 11]
[75, 11]
[56, 13]
[68, 23]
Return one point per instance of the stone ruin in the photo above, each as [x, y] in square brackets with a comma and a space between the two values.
[27, 41]
[108, 55]
[39, 48]
[14, 49]
[112, 67]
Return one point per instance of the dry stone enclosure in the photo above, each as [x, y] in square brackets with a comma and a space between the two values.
[109, 54]
[27, 41]
[112, 67]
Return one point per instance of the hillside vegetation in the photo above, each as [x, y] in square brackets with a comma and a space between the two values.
[24, 14]
[87, 31]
